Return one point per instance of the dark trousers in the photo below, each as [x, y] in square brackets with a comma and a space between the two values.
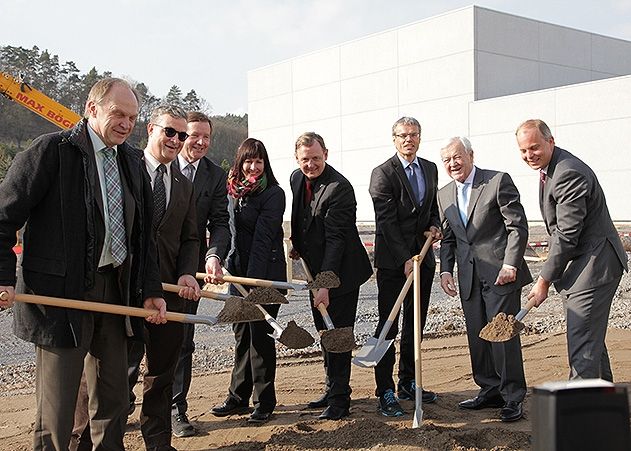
[337, 365]
[184, 368]
[102, 357]
[587, 314]
[389, 283]
[162, 347]
[254, 368]
[497, 368]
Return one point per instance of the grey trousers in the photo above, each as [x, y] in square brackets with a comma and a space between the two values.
[587, 314]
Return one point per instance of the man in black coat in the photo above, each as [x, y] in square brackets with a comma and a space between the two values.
[403, 191]
[211, 199]
[86, 202]
[324, 234]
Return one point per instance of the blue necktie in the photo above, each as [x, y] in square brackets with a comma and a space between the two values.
[463, 201]
[114, 193]
[414, 183]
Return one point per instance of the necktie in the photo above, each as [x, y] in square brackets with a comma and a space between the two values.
[463, 201]
[542, 177]
[114, 191]
[159, 196]
[189, 171]
[414, 183]
[308, 192]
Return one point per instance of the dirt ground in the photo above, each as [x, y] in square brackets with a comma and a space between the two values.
[446, 369]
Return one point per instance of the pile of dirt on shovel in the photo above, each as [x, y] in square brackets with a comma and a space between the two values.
[236, 310]
[266, 295]
[502, 328]
[295, 337]
[325, 279]
[340, 339]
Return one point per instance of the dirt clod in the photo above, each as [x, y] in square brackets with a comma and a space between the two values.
[502, 328]
[338, 340]
[325, 279]
[295, 337]
[237, 310]
[266, 295]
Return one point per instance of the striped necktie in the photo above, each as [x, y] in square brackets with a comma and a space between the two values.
[159, 196]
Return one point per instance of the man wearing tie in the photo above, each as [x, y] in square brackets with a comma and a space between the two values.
[87, 203]
[324, 234]
[403, 191]
[485, 231]
[211, 200]
[585, 255]
[175, 226]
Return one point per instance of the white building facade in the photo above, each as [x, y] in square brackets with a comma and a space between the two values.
[472, 72]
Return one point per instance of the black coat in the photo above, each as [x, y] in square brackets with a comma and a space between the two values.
[52, 185]
[328, 240]
[257, 224]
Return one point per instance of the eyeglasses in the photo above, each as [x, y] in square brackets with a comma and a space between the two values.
[170, 132]
[403, 136]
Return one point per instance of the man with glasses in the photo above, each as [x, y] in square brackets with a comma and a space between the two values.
[211, 197]
[403, 191]
[175, 226]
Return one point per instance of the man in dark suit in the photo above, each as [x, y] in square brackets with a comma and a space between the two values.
[324, 234]
[175, 227]
[403, 191]
[211, 200]
[86, 200]
[485, 230]
[585, 255]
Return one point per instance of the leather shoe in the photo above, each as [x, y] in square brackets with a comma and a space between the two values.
[259, 416]
[512, 411]
[229, 407]
[334, 413]
[319, 403]
[482, 402]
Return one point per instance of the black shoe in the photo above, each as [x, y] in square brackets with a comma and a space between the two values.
[181, 426]
[481, 402]
[512, 411]
[389, 405]
[229, 407]
[319, 403]
[407, 391]
[334, 413]
[259, 416]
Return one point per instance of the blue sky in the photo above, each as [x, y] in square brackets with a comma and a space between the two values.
[209, 45]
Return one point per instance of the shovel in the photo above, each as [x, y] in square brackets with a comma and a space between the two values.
[293, 336]
[265, 295]
[110, 308]
[278, 285]
[332, 340]
[503, 328]
[375, 348]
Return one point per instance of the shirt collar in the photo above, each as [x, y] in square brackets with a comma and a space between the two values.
[183, 163]
[406, 163]
[97, 142]
[468, 180]
[153, 164]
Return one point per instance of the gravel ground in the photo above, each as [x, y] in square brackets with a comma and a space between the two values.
[215, 344]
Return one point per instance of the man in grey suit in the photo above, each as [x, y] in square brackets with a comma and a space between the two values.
[211, 201]
[585, 254]
[485, 231]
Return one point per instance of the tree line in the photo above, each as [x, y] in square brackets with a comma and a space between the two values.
[66, 84]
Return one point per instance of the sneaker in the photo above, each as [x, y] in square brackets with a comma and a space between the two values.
[407, 392]
[181, 426]
[389, 405]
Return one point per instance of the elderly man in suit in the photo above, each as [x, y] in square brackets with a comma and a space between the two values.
[403, 191]
[175, 225]
[485, 230]
[86, 200]
[324, 234]
[211, 200]
[585, 255]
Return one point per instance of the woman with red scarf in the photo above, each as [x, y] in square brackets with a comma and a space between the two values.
[257, 204]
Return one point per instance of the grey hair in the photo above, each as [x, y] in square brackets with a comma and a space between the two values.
[459, 139]
[406, 120]
[538, 124]
[174, 111]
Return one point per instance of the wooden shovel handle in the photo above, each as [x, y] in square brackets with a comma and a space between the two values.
[322, 309]
[94, 306]
[242, 280]
[172, 288]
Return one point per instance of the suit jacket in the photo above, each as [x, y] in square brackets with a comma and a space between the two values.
[585, 250]
[53, 187]
[399, 221]
[326, 234]
[257, 225]
[211, 200]
[496, 232]
[176, 236]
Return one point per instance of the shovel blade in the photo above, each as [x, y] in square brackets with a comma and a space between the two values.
[372, 352]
